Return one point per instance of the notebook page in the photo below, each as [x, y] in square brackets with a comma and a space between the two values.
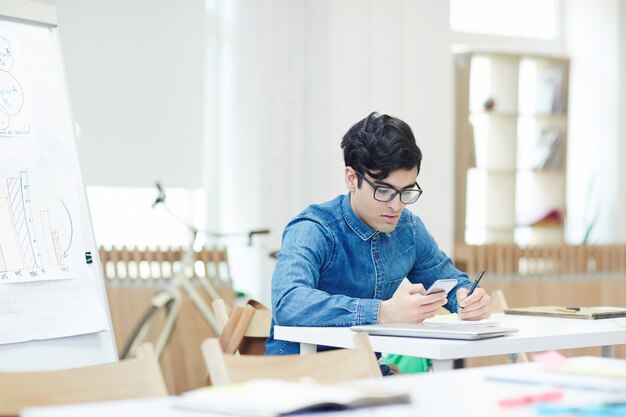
[453, 319]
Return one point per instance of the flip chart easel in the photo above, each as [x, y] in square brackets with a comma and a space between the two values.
[53, 308]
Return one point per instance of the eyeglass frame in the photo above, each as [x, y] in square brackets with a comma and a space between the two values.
[396, 192]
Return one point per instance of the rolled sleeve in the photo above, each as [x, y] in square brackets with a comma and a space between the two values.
[367, 311]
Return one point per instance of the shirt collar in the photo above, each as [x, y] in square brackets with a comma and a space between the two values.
[356, 224]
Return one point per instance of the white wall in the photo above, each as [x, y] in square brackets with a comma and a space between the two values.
[296, 75]
[394, 57]
[620, 223]
[135, 73]
[592, 41]
[301, 73]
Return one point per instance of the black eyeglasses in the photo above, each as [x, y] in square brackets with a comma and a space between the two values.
[385, 193]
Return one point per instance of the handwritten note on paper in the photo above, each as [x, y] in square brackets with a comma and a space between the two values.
[46, 288]
[41, 229]
[15, 108]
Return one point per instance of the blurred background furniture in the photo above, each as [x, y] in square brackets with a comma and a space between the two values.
[511, 147]
[133, 276]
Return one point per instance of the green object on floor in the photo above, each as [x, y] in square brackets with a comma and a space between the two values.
[408, 364]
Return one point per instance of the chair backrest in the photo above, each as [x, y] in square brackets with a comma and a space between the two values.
[132, 378]
[498, 305]
[325, 367]
[244, 329]
[498, 302]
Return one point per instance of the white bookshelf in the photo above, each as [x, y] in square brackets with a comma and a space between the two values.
[511, 148]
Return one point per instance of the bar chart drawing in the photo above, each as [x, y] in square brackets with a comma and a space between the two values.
[12, 259]
[33, 247]
[19, 200]
[52, 240]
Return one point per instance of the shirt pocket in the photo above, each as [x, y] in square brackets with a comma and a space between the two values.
[391, 287]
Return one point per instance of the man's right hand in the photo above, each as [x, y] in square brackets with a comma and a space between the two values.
[409, 305]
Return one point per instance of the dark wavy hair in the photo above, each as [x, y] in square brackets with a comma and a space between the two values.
[379, 145]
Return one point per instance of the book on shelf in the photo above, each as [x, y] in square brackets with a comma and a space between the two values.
[271, 397]
[548, 150]
[539, 217]
[550, 97]
[587, 313]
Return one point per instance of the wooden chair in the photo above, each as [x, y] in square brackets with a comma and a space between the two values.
[324, 367]
[132, 378]
[498, 302]
[498, 305]
[244, 329]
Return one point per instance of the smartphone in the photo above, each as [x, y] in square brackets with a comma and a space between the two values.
[440, 285]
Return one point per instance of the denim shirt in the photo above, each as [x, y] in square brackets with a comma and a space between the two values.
[334, 270]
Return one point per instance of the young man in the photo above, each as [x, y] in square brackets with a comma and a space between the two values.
[342, 261]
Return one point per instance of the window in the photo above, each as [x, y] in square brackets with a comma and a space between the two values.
[516, 18]
[123, 216]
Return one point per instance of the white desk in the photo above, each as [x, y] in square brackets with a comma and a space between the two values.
[535, 334]
[467, 392]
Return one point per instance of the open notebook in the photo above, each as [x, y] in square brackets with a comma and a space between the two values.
[435, 331]
[270, 398]
[588, 313]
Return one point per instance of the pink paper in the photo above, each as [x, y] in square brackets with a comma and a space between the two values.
[550, 360]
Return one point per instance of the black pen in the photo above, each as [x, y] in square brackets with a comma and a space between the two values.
[480, 275]
[475, 284]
